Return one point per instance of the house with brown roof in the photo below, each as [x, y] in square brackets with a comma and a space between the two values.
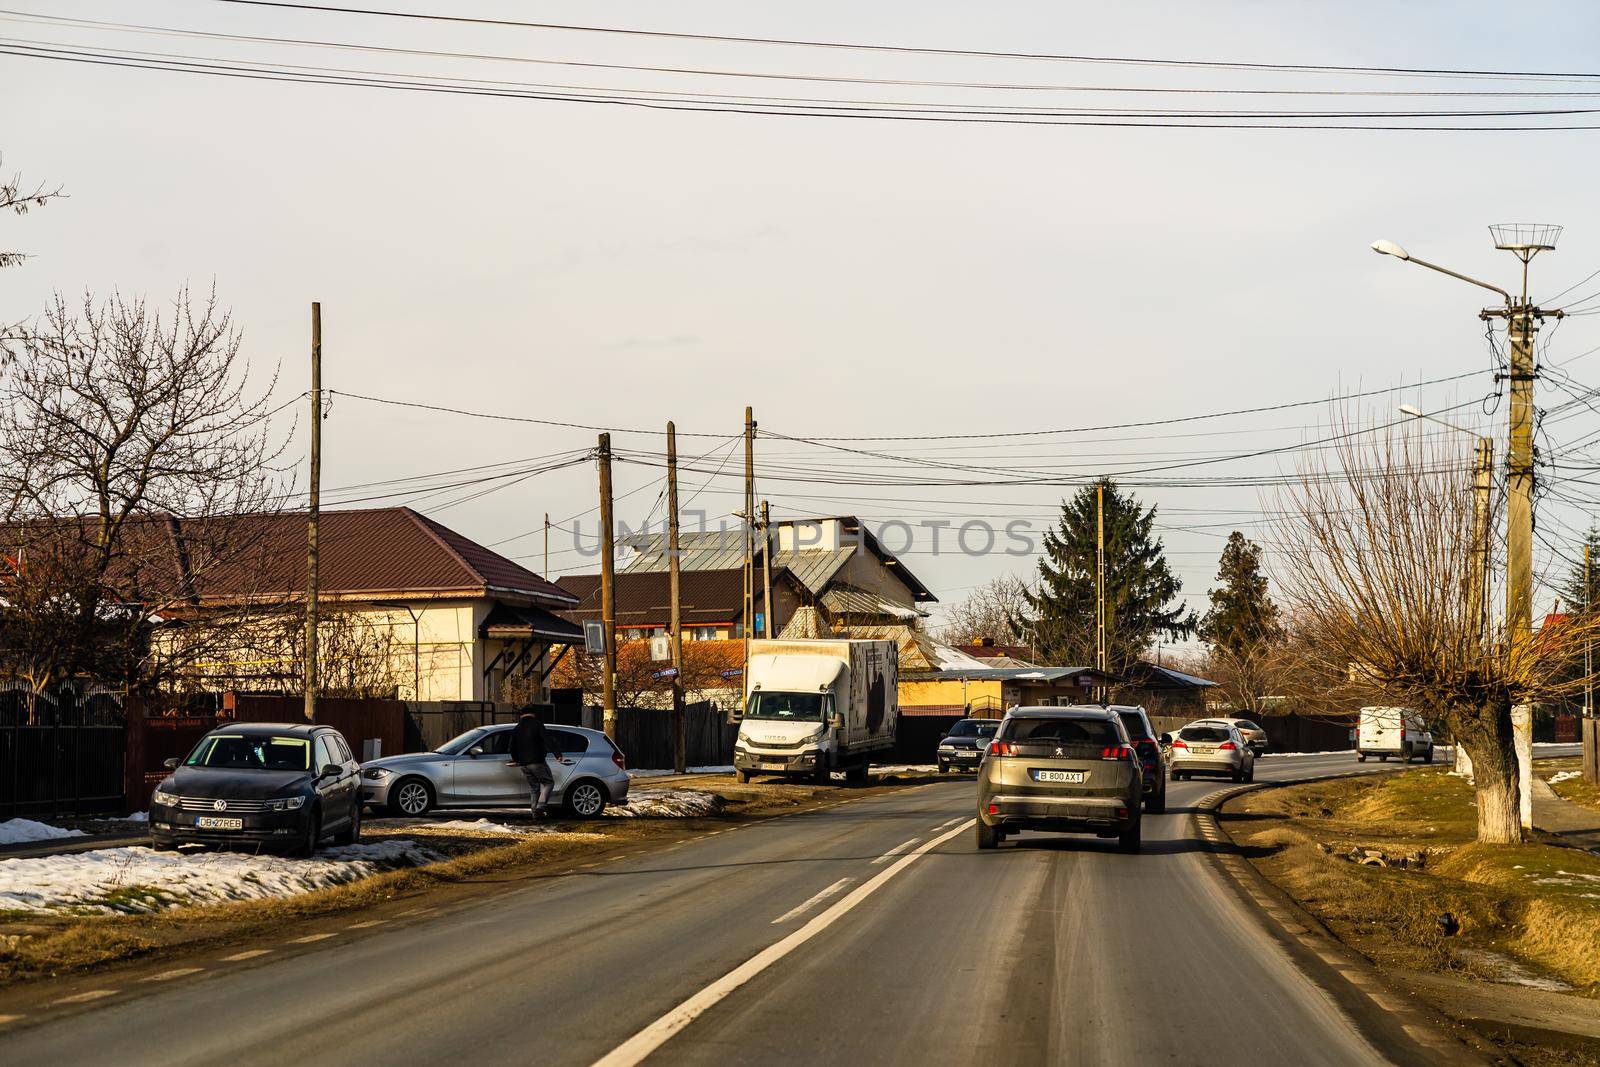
[451, 619]
[711, 602]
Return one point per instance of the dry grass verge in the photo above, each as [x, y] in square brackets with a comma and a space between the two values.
[37, 944]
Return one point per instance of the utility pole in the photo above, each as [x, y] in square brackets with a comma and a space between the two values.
[1591, 772]
[313, 511]
[749, 540]
[546, 572]
[1478, 593]
[608, 594]
[766, 571]
[1101, 653]
[680, 734]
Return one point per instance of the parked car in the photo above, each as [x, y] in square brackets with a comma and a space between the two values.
[265, 784]
[963, 747]
[1212, 746]
[1253, 734]
[1152, 757]
[1385, 732]
[474, 770]
[1063, 770]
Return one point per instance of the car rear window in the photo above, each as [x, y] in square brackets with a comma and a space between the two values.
[1133, 722]
[1205, 733]
[1246, 724]
[1062, 731]
[568, 741]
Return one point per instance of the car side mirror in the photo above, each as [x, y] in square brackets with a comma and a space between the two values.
[475, 750]
[331, 770]
[1166, 739]
[170, 764]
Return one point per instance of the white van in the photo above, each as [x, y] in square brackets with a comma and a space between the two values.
[1386, 732]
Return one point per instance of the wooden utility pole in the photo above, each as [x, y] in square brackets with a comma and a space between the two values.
[766, 570]
[1591, 753]
[312, 512]
[680, 733]
[1478, 593]
[608, 594]
[546, 572]
[1102, 655]
[749, 540]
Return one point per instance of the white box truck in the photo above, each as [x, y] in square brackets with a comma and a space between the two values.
[816, 707]
[1385, 732]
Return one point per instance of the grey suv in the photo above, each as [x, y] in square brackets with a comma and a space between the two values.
[1066, 770]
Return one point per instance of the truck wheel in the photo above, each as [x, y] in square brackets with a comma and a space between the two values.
[988, 836]
[743, 776]
[1383, 759]
[857, 775]
[821, 776]
[1361, 757]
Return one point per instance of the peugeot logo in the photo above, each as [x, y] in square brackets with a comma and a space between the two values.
[1059, 752]
[221, 805]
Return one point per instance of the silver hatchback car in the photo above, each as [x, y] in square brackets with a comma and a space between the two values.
[1212, 746]
[475, 771]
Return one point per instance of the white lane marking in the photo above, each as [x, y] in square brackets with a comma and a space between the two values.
[366, 925]
[306, 940]
[893, 852]
[5, 1019]
[796, 912]
[176, 972]
[84, 998]
[640, 1045]
[952, 822]
[248, 954]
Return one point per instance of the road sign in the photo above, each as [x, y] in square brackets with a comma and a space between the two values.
[665, 672]
[594, 635]
[660, 648]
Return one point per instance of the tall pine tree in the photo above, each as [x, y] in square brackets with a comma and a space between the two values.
[1241, 616]
[1140, 587]
[1575, 598]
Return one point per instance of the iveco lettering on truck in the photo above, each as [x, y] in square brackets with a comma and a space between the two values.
[816, 707]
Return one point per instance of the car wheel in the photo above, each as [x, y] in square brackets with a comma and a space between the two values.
[1176, 777]
[1156, 803]
[162, 846]
[1429, 757]
[944, 768]
[351, 834]
[412, 797]
[743, 776]
[1128, 840]
[313, 837]
[585, 799]
[988, 836]
[1250, 775]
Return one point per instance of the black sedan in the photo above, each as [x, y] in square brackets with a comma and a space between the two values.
[963, 747]
[272, 785]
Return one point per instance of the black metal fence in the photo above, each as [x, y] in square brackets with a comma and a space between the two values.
[61, 753]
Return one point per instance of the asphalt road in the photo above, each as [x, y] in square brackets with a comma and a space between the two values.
[1053, 949]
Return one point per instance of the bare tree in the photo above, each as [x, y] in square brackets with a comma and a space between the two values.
[993, 610]
[18, 198]
[123, 432]
[1377, 562]
[357, 655]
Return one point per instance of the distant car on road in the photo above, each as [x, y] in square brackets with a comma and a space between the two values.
[1400, 732]
[474, 771]
[271, 785]
[963, 747]
[1253, 734]
[1152, 757]
[1063, 770]
[1212, 746]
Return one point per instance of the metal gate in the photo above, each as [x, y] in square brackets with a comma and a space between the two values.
[61, 753]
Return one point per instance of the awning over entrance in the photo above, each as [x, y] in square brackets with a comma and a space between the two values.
[508, 623]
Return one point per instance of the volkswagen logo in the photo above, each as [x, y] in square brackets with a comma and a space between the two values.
[221, 805]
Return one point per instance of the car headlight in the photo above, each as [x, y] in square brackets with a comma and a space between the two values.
[375, 773]
[286, 804]
[168, 800]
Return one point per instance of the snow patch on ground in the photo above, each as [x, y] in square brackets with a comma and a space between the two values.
[475, 826]
[692, 770]
[1564, 776]
[667, 804]
[139, 879]
[21, 831]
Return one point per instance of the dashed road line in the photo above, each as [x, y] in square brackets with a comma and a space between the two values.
[308, 939]
[947, 825]
[85, 997]
[6, 1020]
[176, 972]
[799, 910]
[247, 954]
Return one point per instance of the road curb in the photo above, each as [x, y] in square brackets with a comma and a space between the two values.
[1376, 1005]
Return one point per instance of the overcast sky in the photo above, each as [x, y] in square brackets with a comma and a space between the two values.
[620, 266]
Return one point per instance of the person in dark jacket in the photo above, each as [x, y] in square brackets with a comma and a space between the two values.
[530, 745]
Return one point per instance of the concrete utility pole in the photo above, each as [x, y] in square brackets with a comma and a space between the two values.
[1525, 240]
[1591, 769]
[766, 571]
[313, 511]
[1102, 654]
[680, 738]
[749, 541]
[608, 594]
[546, 572]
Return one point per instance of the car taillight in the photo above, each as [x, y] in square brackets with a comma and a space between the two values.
[1227, 746]
[1178, 743]
[1002, 748]
[994, 809]
[1115, 752]
[619, 759]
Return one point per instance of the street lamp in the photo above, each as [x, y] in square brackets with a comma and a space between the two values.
[1389, 248]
